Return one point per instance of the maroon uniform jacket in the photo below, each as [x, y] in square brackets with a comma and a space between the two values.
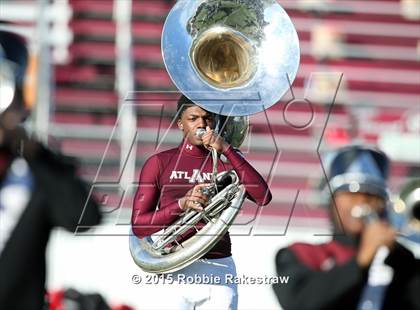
[167, 176]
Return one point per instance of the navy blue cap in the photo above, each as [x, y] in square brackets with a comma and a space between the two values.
[13, 49]
[359, 168]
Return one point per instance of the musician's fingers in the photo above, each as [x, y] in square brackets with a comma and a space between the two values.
[196, 205]
[197, 189]
[206, 139]
[198, 193]
[209, 133]
[212, 140]
[200, 186]
[197, 200]
[201, 196]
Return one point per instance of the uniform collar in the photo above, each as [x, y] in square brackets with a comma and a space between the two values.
[345, 239]
[194, 150]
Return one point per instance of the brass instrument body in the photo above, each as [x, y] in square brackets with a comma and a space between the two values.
[162, 254]
[406, 211]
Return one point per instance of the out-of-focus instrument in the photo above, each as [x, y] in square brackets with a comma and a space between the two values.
[406, 215]
[408, 205]
[408, 229]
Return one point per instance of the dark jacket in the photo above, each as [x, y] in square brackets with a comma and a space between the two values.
[327, 276]
[58, 199]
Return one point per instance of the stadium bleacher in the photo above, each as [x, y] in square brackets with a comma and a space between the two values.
[381, 78]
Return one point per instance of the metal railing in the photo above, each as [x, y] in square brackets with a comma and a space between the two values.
[127, 125]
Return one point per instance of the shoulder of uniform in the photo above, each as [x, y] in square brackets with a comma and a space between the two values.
[310, 255]
[301, 246]
[167, 153]
[53, 160]
[299, 251]
[164, 157]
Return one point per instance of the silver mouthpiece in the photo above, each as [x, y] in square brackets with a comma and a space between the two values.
[200, 132]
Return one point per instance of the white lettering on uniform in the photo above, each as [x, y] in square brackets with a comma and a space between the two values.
[195, 177]
[173, 175]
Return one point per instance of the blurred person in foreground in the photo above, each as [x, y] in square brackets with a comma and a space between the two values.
[364, 266]
[39, 190]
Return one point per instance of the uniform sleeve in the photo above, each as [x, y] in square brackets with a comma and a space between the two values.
[145, 219]
[67, 197]
[312, 289]
[256, 188]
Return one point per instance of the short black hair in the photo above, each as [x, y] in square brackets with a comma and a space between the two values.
[183, 104]
[13, 48]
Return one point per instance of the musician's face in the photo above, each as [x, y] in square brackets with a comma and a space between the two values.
[192, 119]
[346, 201]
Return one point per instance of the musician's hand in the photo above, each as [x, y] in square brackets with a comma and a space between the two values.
[194, 198]
[374, 235]
[213, 140]
[12, 136]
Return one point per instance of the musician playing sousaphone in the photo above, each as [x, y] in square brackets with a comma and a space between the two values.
[364, 266]
[174, 181]
[222, 56]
